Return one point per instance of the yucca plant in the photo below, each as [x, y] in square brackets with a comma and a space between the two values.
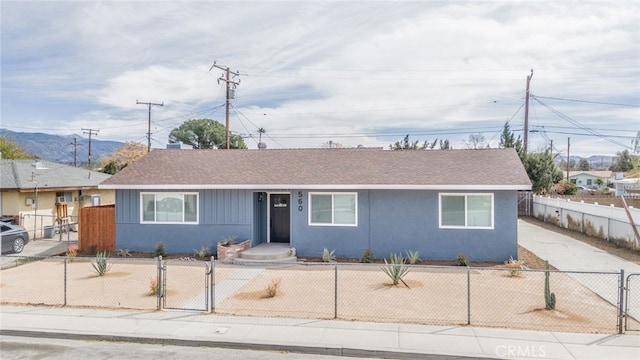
[396, 268]
[328, 256]
[413, 257]
[101, 265]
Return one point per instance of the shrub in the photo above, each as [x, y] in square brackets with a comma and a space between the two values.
[159, 250]
[515, 266]
[272, 289]
[204, 250]
[413, 257]
[93, 250]
[462, 260]
[153, 286]
[396, 268]
[229, 240]
[328, 256]
[123, 252]
[367, 256]
[72, 251]
[101, 265]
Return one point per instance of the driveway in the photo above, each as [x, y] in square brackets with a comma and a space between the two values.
[41, 247]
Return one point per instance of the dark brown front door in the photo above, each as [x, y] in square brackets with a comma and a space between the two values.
[280, 218]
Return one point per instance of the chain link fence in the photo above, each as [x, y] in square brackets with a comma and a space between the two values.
[592, 302]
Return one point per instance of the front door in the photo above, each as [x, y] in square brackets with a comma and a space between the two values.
[279, 218]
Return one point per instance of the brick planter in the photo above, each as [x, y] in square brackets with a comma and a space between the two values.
[229, 252]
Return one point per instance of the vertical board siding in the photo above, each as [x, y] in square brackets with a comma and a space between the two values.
[220, 213]
[97, 228]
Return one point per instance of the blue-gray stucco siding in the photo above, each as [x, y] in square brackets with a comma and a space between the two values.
[388, 221]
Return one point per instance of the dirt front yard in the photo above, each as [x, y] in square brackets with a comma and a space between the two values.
[436, 295]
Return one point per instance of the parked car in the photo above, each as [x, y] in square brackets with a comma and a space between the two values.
[14, 237]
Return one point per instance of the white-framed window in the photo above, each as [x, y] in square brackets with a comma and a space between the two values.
[169, 207]
[333, 209]
[466, 211]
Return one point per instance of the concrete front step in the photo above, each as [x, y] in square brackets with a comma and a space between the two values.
[270, 252]
[265, 262]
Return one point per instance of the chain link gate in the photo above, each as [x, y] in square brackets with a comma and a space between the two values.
[632, 303]
[185, 284]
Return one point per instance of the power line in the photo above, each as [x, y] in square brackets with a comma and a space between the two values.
[584, 101]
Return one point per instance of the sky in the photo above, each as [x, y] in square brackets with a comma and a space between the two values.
[312, 73]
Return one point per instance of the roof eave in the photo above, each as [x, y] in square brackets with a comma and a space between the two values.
[316, 187]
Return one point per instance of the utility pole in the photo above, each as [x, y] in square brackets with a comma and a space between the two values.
[568, 158]
[149, 104]
[90, 132]
[75, 151]
[526, 113]
[226, 78]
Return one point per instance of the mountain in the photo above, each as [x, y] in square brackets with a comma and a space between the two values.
[59, 148]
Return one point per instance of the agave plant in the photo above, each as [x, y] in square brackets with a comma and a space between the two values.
[396, 268]
[328, 256]
[101, 265]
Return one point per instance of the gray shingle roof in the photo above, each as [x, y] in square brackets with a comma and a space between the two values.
[324, 168]
[25, 174]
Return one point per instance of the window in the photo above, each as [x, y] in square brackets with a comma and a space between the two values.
[339, 209]
[466, 211]
[165, 207]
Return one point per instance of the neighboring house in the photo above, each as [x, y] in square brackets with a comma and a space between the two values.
[30, 189]
[440, 202]
[590, 179]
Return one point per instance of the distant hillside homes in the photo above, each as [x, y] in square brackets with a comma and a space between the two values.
[60, 149]
[596, 162]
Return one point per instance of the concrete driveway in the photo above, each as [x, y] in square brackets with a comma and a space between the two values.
[41, 247]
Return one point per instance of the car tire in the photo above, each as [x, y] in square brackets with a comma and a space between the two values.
[18, 245]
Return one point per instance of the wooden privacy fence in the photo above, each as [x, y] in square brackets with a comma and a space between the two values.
[97, 228]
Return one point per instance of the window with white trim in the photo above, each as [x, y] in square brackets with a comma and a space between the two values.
[466, 211]
[169, 207]
[334, 209]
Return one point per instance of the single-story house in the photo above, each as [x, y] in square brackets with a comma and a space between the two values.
[30, 190]
[440, 202]
[595, 179]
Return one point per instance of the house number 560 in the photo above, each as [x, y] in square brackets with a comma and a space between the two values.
[299, 200]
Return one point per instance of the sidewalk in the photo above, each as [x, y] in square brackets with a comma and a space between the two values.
[329, 337]
[334, 337]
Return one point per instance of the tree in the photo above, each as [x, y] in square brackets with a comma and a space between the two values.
[509, 140]
[205, 134]
[623, 162]
[12, 150]
[584, 165]
[476, 141]
[542, 171]
[406, 144]
[122, 157]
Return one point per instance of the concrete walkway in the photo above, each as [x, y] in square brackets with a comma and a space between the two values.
[349, 338]
[331, 337]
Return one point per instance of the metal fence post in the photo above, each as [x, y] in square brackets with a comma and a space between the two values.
[335, 291]
[160, 288]
[213, 285]
[621, 313]
[65, 281]
[468, 296]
